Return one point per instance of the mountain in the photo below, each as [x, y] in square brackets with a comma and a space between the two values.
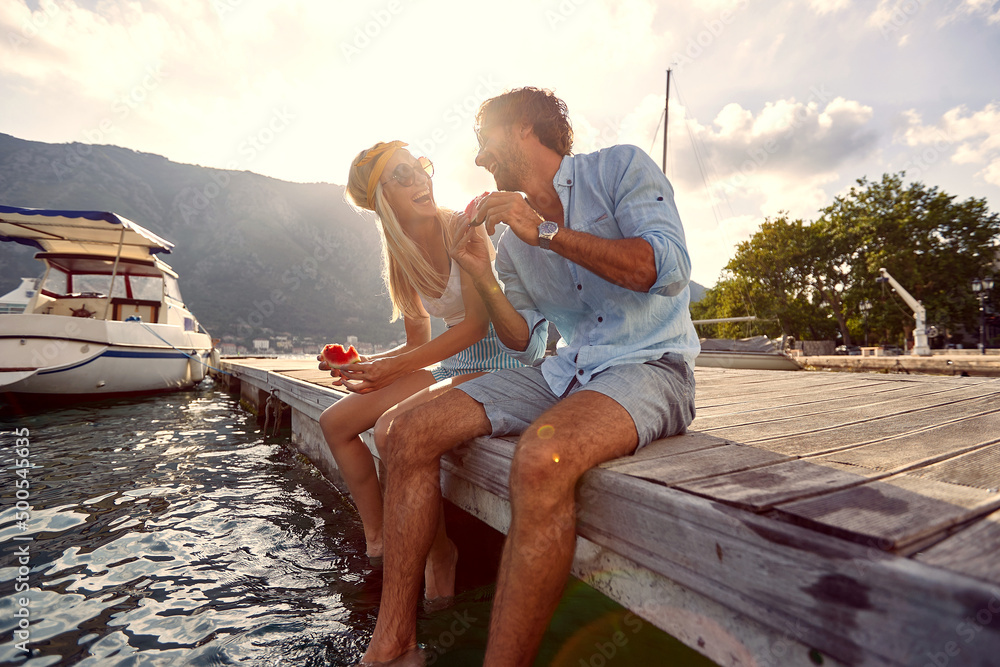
[251, 251]
[697, 292]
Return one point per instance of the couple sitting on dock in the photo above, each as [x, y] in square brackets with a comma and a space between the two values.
[595, 246]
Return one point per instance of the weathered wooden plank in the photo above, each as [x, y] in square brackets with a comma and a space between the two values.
[699, 464]
[678, 444]
[860, 605]
[823, 441]
[979, 469]
[972, 551]
[760, 433]
[729, 393]
[805, 405]
[899, 510]
[760, 489]
[925, 446]
[750, 402]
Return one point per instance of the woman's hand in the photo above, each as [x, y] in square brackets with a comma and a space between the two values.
[367, 376]
[335, 373]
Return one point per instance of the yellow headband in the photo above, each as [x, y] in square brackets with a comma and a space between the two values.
[383, 151]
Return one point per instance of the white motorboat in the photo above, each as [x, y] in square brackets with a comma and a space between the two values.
[107, 317]
[757, 353]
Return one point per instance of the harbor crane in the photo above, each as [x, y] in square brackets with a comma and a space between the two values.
[920, 345]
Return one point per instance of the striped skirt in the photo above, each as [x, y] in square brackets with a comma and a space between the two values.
[484, 355]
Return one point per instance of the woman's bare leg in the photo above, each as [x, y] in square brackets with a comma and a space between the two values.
[342, 423]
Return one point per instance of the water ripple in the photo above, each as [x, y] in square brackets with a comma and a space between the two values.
[167, 531]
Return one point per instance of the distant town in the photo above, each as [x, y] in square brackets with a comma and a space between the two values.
[282, 344]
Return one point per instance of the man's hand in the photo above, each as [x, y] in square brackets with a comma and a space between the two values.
[512, 209]
[471, 252]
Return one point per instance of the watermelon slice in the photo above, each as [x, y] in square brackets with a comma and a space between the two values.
[336, 355]
[473, 208]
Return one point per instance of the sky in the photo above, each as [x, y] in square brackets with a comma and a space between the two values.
[775, 106]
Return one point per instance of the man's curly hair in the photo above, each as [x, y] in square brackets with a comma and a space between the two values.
[540, 108]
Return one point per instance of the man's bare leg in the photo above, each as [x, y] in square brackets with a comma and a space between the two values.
[416, 441]
[439, 572]
[572, 437]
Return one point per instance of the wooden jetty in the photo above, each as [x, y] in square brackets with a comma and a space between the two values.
[809, 518]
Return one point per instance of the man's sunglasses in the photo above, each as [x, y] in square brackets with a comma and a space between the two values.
[405, 173]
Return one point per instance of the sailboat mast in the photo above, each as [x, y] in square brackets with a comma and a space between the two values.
[666, 123]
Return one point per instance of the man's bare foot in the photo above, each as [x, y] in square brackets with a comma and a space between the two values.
[439, 573]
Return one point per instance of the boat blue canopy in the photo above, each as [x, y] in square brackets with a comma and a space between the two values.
[87, 232]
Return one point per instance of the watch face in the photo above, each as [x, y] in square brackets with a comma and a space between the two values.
[548, 227]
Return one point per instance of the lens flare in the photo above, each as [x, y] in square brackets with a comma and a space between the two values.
[547, 431]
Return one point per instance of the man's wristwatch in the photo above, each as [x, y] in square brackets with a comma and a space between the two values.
[546, 231]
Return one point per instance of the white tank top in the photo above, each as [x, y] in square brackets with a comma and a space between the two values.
[449, 306]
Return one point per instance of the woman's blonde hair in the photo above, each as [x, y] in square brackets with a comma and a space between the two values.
[405, 270]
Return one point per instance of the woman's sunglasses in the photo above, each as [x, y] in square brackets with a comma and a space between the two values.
[405, 173]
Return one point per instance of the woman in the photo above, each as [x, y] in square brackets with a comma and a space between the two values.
[422, 281]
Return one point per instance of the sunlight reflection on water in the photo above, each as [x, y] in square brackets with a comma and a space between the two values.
[181, 545]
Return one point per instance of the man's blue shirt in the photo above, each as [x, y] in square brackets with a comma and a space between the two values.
[614, 193]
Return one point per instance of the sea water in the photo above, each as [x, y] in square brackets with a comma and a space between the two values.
[169, 530]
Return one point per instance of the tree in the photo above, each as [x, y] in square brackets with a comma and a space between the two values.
[930, 243]
[768, 278]
[810, 279]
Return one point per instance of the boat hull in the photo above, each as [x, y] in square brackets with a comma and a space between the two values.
[51, 354]
[746, 360]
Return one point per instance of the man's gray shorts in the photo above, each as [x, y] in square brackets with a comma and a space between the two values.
[658, 394]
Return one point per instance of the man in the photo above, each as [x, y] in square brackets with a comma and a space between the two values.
[595, 246]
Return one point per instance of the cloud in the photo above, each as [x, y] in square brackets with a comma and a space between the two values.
[786, 138]
[971, 137]
[987, 9]
[824, 7]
